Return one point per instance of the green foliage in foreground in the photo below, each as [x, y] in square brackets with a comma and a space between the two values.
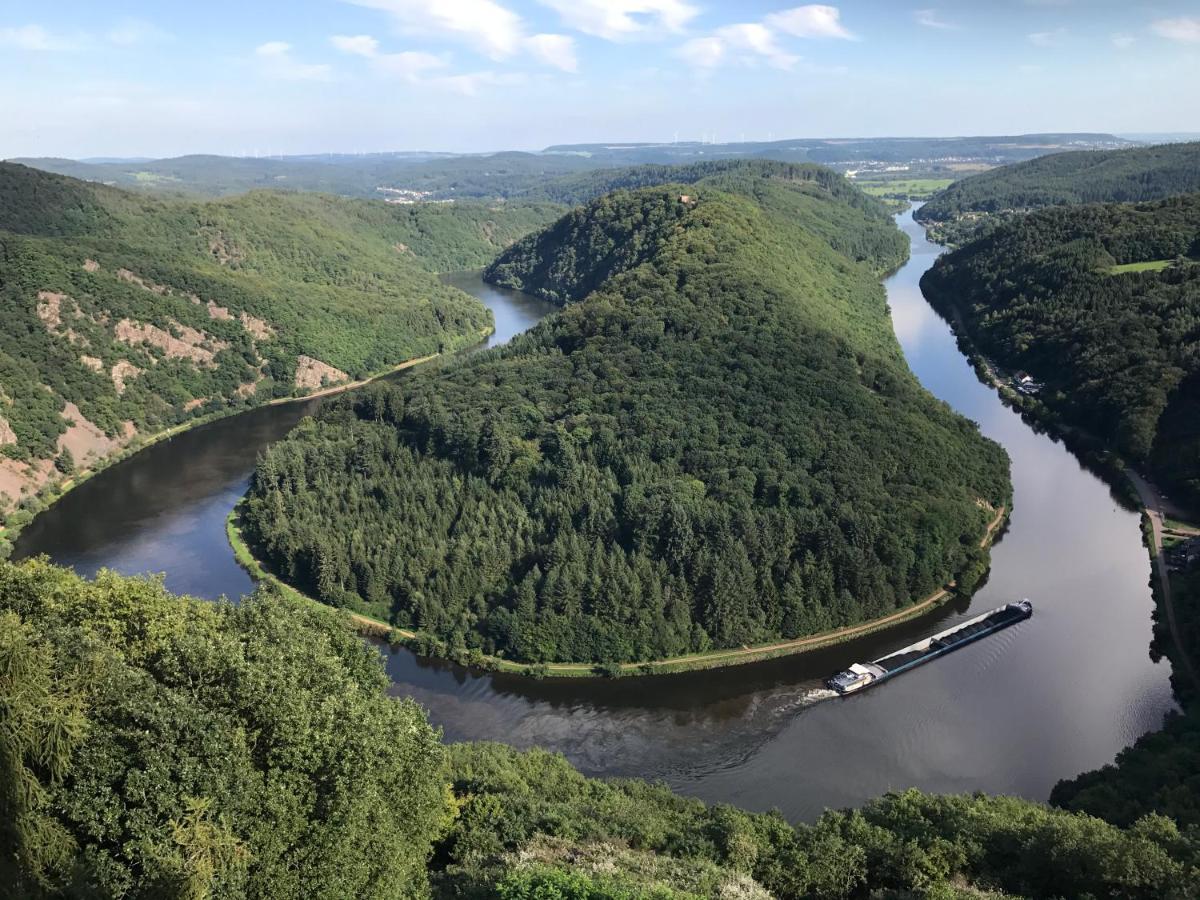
[162, 747]
[716, 443]
[1119, 354]
[531, 811]
[1089, 176]
[158, 747]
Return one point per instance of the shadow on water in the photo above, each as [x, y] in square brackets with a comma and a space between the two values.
[1013, 714]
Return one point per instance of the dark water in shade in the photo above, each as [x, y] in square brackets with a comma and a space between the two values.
[1011, 714]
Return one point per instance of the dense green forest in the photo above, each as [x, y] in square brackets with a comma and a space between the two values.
[143, 312]
[717, 442]
[1063, 179]
[1102, 304]
[161, 747]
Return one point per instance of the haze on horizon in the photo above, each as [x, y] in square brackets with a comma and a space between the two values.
[135, 78]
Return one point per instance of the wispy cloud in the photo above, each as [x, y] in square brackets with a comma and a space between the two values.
[754, 43]
[276, 60]
[410, 65]
[484, 25]
[811, 21]
[35, 38]
[1184, 28]
[557, 50]
[930, 18]
[1048, 38]
[470, 83]
[1123, 41]
[490, 28]
[617, 20]
[132, 32]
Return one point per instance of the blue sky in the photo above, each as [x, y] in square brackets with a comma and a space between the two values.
[133, 77]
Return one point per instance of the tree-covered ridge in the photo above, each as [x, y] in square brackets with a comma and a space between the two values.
[160, 747]
[1118, 350]
[1063, 179]
[128, 314]
[719, 444]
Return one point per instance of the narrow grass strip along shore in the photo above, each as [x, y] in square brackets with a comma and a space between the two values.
[711, 659]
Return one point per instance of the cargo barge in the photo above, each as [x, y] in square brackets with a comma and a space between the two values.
[863, 675]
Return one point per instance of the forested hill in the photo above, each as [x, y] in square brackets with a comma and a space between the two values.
[1102, 303]
[162, 748]
[717, 443]
[1061, 179]
[126, 314]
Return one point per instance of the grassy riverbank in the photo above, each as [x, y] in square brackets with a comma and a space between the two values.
[712, 659]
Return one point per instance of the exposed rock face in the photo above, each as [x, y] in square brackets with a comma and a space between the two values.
[90, 265]
[86, 441]
[191, 344]
[7, 435]
[92, 362]
[132, 278]
[312, 373]
[49, 309]
[123, 371]
[258, 328]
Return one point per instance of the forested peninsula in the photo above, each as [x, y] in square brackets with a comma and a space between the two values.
[1101, 304]
[716, 442]
[127, 314]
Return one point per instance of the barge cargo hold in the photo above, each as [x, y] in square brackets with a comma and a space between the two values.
[863, 675]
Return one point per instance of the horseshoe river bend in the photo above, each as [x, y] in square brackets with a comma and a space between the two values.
[1012, 714]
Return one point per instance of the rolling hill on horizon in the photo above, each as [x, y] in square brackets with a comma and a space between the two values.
[530, 175]
[1065, 179]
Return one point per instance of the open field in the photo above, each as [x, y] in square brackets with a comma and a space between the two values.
[912, 188]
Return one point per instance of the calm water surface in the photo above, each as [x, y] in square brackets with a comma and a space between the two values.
[1012, 714]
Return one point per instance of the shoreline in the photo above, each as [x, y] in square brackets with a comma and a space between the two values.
[691, 662]
[54, 491]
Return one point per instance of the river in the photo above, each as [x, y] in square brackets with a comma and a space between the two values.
[1013, 714]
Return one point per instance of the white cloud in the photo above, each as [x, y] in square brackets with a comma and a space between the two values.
[752, 40]
[930, 19]
[555, 50]
[469, 83]
[1123, 41]
[33, 37]
[490, 28]
[276, 60]
[358, 44]
[131, 32]
[410, 65]
[1184, 28]
[617, 20]
[812, 21]
[703, 52]
[751, 43]
[1047, 38]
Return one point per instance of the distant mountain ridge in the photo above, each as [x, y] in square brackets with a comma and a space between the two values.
[515, 174]
[1130, 175]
